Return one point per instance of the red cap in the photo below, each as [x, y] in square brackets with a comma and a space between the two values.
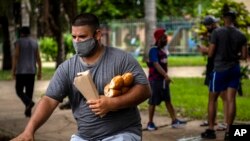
[158, 33]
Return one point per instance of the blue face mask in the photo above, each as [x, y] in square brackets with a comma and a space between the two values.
[85, 48]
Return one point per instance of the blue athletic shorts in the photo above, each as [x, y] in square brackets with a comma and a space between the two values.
[220, 81]
[160, 92]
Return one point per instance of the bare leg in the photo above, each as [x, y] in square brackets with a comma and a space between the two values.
[151, 111]
[171, 110]
[231, 106]
[224, 100]
[212, 109]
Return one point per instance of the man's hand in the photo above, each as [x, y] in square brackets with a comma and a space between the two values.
[100, 106]
[13, 76]
[39, 76]
[24, 137]
[168, 79]
[203, 50]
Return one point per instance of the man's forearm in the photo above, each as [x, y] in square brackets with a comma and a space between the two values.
[133, 97]
[160, 69]
[42, 112]
[244, 53]
[211, 50]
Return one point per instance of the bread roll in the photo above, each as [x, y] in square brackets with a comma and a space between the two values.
[113, 93]
[119, 85]
[128, 79]
[125, 89]
[116, 83]
[106, 90]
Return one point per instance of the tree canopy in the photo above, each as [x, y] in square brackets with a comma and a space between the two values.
[134, 9]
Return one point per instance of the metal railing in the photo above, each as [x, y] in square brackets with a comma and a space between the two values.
[130, 35]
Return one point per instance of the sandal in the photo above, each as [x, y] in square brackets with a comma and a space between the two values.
[205, 123]
[222, 127]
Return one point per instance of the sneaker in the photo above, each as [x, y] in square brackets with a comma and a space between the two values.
[222, 127]
[204, 123]
[208, 134]
[65, 106]
[28, 109]
[178, 123]
[226, 138]
[151, 126]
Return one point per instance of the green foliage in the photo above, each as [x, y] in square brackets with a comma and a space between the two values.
[166, 9]
[47, 73]
[219, 6]
[69, 49]
[112, 9]
[5, 7]
[245, 71]
[5, 75]
[49, 48]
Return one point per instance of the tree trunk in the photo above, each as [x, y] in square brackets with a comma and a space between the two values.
[70, 7]
[33, 17]
[56, 27]
[52, 27]
[6, 44]
[25, 9]
[150, 23]
[47, 30]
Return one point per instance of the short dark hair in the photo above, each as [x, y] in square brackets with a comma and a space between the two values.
[208, 20]
[86, 19]
[25, 30]
[230, 14]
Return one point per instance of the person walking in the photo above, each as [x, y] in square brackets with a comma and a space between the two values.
[211, 24]
[159, 80]
[228, 45]
[26, 57]
[106, 118]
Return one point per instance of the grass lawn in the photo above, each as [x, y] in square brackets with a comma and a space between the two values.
[47, 73]
[190, 98]
[180, 61]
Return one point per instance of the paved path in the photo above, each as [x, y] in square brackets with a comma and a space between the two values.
[186, 71]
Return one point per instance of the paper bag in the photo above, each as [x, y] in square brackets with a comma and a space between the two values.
[86, 86]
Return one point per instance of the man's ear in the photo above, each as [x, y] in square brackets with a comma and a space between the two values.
[98, 34]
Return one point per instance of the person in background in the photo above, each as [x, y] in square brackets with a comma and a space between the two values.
[26, 57]
[228, 45]
[65, 105]
[159, 80]
[211, 24]
[106, 118]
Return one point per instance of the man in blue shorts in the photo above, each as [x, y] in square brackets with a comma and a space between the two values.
[227, 46]
[159, 80]
[211, 24]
